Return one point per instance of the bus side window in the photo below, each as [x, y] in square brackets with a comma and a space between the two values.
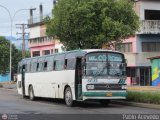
[33, 67]
[70, 64]
[28, 67]
[45, 66]
[65, 64]
[54, 65]
[19, 69]
[25, 67]
[59, 65]
[37, 68]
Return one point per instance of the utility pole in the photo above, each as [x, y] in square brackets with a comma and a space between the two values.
[23, 27]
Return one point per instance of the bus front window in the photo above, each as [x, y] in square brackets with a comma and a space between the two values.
[104, 64]
[96, 64]
[96, 68]
[116, 65]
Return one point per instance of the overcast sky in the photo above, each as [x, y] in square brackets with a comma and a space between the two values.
[21, 16]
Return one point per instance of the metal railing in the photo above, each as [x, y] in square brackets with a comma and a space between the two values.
[150, 27]
[39, 19]
[40, 41]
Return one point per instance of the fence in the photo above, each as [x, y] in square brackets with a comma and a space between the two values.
[5, 77]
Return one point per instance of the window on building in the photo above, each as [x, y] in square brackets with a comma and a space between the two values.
[131, 71]
[36, 53]
[124, 47]
[150, 46]
[51, 51]
[56, 50]
[46, 52]
[152, 14]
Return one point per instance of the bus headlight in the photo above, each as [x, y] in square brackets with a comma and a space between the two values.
[90, 87]
[124, 87]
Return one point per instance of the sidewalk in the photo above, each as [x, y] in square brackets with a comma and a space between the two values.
[9, 85]
[143, 88]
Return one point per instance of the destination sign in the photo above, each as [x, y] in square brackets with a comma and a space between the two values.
[104, 57]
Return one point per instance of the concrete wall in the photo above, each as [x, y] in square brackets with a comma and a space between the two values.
[5, 77]
[146, 4]
[34, 32]
[146, 38]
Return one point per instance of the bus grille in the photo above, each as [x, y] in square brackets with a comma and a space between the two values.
[107, 86]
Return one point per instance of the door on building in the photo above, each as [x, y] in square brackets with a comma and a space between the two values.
[145, 76]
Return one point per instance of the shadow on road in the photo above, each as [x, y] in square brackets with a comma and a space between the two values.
[84, 104]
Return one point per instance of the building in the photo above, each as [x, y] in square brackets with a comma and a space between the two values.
[39, 43]
[145, 44]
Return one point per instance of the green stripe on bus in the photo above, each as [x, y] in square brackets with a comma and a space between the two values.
[103, 94]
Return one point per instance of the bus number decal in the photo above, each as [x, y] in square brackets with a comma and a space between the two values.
[92, 80]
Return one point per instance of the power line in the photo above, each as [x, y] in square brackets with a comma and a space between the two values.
[23, 27]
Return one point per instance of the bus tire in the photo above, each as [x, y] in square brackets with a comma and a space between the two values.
[104, 102]
[31, 93]
[68, 97]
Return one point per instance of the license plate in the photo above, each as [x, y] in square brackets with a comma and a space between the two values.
[109, 94]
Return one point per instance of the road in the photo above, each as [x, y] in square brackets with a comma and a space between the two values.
[13, 104]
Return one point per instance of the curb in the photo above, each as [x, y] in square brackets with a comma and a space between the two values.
[10, 89]
[144, 105]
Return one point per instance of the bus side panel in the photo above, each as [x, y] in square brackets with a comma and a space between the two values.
[50, 84]
[62, 79]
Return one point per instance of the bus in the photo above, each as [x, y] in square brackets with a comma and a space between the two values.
[79, 75]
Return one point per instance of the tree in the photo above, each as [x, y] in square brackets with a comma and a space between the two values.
[92, 23]
[5, 56]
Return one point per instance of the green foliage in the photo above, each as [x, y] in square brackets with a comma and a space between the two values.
[92, 23]
[5, 56]
[28, 54]
[145, 97]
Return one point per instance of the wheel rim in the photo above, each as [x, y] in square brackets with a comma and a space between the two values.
[68, 97]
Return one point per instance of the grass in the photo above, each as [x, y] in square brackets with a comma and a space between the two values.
[144, 97]
[1, 86]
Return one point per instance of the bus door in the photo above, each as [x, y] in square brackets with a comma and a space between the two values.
[23, 80]
[78, 79]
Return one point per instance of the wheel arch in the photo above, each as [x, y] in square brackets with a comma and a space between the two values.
[29, 87]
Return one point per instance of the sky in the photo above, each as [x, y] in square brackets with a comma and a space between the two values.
[21, 16]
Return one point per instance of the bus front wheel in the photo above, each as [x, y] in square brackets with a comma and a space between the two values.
[68, 97]
[31, 93]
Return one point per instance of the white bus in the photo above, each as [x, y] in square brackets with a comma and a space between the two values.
[91, 74]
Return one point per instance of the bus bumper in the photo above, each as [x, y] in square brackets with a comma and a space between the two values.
[104, 95]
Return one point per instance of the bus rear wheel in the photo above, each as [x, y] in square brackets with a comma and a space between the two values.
[31, 93]
[68, 97]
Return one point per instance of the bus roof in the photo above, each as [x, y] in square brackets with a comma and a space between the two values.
[80, 51]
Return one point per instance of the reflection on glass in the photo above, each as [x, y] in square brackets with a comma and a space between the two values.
[103, 64]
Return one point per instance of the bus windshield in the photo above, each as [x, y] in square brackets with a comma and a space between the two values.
[105, 64]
